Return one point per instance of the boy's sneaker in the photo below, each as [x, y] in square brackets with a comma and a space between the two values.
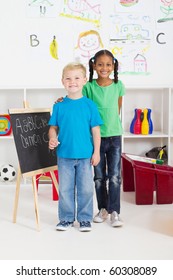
[115, 220]
[101, 216]
[63, 225]
[85, 226]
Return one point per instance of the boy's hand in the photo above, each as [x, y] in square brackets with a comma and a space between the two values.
[95, 159]
[53, 143]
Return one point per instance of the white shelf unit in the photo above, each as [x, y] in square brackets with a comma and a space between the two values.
[10, 98]
[159, 99]
[43, 97]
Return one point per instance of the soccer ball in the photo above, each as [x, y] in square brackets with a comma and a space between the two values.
[7, 173]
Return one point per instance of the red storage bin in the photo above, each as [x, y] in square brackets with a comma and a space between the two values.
[144, 177]
[164, 184]
[138, 176]
[127, 174]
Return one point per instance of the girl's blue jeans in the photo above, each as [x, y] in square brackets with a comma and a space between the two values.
[107, 174]
[75, 190]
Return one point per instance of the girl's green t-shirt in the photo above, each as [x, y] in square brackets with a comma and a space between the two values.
[106, 99]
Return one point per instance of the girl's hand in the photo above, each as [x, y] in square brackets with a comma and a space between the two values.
[95, 159]
[60, 99]
[53, 143]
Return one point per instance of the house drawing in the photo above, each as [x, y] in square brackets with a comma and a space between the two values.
[140, 63]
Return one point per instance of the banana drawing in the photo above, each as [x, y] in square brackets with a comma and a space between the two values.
[54, 48]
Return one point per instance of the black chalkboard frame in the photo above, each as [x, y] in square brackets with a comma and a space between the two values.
[52, 155]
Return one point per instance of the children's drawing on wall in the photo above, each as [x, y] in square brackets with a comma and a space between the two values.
[54, 48]
[89, 42]
[128, 3]
[166, 11]
[133, 6]
[42, 8]
[36, 50]
[132, 31]
[86, 10]
[130, 40]
[132, 57]
[140, 64]
[41, 48]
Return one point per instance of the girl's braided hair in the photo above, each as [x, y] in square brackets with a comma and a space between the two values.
[93, 60]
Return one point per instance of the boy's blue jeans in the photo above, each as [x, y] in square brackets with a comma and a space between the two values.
[75, 190]
[109, 170]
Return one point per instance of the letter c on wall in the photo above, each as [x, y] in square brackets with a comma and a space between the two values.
[158, 38]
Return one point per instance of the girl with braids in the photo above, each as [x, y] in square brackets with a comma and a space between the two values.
[107, 93]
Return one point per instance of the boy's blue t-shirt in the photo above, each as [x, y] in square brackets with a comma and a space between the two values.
[75, 118]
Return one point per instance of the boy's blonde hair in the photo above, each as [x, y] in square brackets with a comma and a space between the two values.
[74, 66]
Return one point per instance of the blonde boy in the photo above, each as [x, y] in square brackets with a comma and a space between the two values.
[74, 130]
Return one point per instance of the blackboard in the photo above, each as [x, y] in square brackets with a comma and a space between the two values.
[30, 130]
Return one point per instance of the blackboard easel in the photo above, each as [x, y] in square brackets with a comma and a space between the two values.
[30, 131]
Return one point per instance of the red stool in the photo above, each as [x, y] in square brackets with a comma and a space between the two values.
[48, 174]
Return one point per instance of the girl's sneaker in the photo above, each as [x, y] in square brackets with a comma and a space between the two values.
[101, 216]
[63, 225]
[115, 220]
[85, 226]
